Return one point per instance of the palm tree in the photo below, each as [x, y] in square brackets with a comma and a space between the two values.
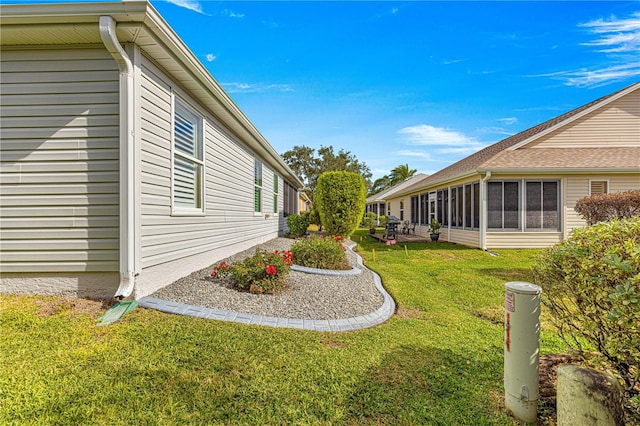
[401, 173]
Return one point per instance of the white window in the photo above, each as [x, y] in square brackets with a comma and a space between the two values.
[599, 187]
[275, 193]
[257, 186]
[188, 164]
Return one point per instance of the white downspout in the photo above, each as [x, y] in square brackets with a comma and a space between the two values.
[127, 240]
[484, 213]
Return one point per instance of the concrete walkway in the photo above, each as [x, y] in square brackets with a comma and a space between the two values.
[379, 316]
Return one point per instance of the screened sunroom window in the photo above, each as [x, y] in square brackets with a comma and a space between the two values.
[503, 205]
[542, 201]
[188, 162]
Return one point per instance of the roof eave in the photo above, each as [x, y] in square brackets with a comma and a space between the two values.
[142, 12]
[561, 170]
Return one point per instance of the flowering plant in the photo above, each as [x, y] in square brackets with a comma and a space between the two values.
[264, 272]
[321, 252]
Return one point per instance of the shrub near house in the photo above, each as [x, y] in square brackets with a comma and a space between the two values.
[591, 286]
[340, 199]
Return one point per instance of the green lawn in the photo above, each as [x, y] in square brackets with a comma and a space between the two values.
[437, 361]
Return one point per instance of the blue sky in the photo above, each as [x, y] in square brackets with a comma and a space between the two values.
[417, 82]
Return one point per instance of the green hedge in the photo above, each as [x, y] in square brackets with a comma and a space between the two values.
[591, 285]
[340, 199]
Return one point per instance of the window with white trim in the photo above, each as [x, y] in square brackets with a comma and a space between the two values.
[275, 193]
[188, 163]
[542, 205]
[598, 187]
[257, 186]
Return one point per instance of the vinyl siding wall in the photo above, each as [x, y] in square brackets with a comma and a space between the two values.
[59, 161]
[615, 125]
[228, 219]
[577, 187]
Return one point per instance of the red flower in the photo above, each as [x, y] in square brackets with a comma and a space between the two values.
[223, 264]
[214, 273]
[271, 270]
[338, 238]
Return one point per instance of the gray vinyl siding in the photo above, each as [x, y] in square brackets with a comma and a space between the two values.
[228, 214]
[59, 160]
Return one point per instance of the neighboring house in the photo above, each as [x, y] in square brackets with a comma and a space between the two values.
[125, 165]
[521, 192]
[379, 205]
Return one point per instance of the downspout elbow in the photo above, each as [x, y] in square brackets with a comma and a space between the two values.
[107, 29]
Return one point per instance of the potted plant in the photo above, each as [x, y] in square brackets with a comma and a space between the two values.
[434, 230]
[368, 222]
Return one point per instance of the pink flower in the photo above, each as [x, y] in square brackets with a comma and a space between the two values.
[271, 270]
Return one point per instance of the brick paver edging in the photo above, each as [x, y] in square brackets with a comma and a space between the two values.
[379, 316]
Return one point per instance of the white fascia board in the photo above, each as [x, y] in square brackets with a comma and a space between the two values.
[575, 117]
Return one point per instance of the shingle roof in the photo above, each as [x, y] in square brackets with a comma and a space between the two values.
[565, 158]
[413, 180]
[497, 152]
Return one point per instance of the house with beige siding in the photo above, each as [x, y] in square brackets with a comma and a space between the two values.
[124, 164]
[521, 192]
[377, 203]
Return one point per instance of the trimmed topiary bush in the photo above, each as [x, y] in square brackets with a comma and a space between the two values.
[340, 200]
[602, 207]
[320, 252]
[297, 224]
[591, 286]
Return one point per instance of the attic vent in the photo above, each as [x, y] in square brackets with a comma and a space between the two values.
[599, 187]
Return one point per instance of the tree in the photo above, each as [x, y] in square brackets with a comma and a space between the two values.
[397, 175]
[401, 173]
[340, 200]
[309, 165]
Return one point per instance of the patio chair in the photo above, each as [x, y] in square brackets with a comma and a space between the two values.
[411, 229]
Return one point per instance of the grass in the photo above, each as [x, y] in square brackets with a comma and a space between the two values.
[437, 361]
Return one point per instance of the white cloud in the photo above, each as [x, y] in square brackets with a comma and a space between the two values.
[494, 130]
[597, 77]
[424, 155]
[188, 4]
[232, 14]
[619, 40]
[210, 57]
[508, 121]
[424, 134]
[617, 35]
[234, 87]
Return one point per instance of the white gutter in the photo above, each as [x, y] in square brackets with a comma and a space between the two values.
[127, 240]
[484, 211]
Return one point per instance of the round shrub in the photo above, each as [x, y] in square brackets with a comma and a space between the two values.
[369, 220]
[297, 224]
[591, 286]
[320, 252]
[340, 199]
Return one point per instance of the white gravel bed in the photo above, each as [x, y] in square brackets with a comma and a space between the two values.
[307, 296]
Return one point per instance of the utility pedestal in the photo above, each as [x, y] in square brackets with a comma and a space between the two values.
[521, 349]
